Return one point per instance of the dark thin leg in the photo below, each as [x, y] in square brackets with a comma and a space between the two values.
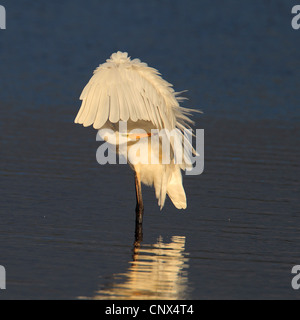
[139, 199]
[137, 240]
[139, 216]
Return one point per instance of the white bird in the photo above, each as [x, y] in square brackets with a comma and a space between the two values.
[128, 90]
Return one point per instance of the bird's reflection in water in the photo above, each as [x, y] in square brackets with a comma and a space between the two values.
[158, 271]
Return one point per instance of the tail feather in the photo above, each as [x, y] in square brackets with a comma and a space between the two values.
[166, 180]
[175, 190]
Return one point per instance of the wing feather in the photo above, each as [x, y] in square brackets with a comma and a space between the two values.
[114, 106]
[125, 89]
[78, 117]
[91, 114]
[103, 112]
[87, 105]
[132, 108]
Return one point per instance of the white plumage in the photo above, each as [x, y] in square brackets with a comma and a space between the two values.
[128, 90]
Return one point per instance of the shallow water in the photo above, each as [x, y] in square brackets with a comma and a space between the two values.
[67, 226]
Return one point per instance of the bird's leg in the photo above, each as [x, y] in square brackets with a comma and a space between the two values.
[139, 199]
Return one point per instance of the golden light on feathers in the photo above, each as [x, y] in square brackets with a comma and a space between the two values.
[128, 90]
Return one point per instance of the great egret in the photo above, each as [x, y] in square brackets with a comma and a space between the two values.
[128, 90]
